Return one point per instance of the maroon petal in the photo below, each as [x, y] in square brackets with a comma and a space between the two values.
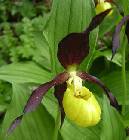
[97, 20]
[75, 47]
[88, 77]
[116, 35]
[59, 94]
[37, 95]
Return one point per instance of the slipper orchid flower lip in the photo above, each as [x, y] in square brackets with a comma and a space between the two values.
[71, 52]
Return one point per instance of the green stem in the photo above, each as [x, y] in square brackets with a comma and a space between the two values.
[123, 65]
[124, 77]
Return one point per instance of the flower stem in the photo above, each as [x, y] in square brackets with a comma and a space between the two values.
[124, 76]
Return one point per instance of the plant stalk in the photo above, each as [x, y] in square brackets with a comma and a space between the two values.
[124, 76]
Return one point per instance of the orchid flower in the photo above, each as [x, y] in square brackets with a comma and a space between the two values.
[75, 100]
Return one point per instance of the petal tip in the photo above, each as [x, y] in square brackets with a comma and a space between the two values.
[14, 124]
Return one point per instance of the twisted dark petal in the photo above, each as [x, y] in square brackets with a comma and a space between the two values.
[116, 35]
[59, 94]
[97, 20]
[75, 47]
[88, 77]
[37, 95]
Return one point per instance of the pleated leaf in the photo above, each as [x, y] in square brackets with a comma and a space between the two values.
[24, 73]
[72, 132]
[115, 83]
[111, 125]
[38, 125]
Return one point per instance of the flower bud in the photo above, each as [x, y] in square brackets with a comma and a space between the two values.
[103, 6]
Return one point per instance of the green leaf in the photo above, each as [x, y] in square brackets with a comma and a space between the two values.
[72, 132]
[112, 127]
[86, 64]
[125, 6]
[24, 73]
[42, 56]
[115, 84]
[51, 103]
[109, 22]
[126, 117]
[108, 54]
[34, 126]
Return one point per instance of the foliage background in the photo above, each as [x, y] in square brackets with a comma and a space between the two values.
[29, 35]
